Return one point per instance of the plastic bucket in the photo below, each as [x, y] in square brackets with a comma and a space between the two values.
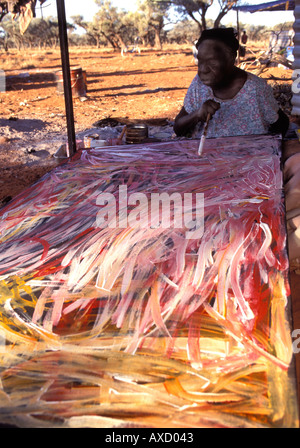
[78, 82]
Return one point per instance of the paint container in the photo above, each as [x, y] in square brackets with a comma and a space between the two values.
[136, 133]
[93, 141]
[98, 143]
[78, 82]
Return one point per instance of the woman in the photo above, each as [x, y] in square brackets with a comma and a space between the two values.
[239, 103]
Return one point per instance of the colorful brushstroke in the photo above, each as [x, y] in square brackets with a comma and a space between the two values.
[142, 327]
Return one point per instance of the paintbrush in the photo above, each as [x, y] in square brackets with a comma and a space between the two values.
[122, 133]
[203, 136]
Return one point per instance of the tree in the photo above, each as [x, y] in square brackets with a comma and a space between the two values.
[112, 23]
[40, 33]
[120, 28]
[3, 39]
[155, 14]
[149, 20]
[197, 9]
[255, 32]
[12, 33]
[92, 30]
[24, 9]
[185, 32]
[225, 6]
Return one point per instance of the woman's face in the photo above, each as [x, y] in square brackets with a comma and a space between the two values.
[215, 62]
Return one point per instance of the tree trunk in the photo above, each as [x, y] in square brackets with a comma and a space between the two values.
[111, 40]
[158, 43]
[219, 18]
[121, 41]
[200, 26]
[203, 18]
[92, 37]
[17, 43]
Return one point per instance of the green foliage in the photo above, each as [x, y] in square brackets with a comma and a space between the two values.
[261, 33]
[286, 26]
[185, 32]
[255, 33]
[196, 10]
[109, 25]
[118, 28]
[40, 33]
[150, 20]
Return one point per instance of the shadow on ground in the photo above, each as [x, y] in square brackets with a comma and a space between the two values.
[23, 125]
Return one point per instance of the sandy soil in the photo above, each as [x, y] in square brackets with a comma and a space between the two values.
[145, 86]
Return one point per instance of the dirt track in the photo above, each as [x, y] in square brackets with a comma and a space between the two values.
[151, 85]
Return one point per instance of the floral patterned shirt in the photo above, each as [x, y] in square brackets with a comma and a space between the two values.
[251, 111]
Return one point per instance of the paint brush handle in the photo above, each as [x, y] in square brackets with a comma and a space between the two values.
[203, 137]
[206, 124]
[122, 133]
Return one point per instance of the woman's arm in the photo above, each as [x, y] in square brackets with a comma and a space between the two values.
[281, 125]
[185, 122]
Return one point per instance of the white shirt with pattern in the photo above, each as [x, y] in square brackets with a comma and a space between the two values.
[251, 111]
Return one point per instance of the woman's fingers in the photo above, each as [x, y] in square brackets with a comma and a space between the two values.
[209, 107]
[212, 106]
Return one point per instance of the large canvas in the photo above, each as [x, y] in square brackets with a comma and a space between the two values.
[105, 323]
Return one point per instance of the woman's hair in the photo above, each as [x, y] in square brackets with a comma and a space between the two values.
[225, 35]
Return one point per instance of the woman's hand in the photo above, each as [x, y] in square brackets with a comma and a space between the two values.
[209, 107]
[185, 122]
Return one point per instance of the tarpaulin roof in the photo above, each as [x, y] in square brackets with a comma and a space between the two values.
[279, 5]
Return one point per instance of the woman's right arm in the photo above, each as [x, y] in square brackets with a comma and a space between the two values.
[185, 122]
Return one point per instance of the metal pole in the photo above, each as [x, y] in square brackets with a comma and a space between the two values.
[64, 50]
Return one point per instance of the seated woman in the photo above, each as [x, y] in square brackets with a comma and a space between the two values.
[240, 103]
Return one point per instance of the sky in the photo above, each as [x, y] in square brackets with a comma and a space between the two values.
[74, 7]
